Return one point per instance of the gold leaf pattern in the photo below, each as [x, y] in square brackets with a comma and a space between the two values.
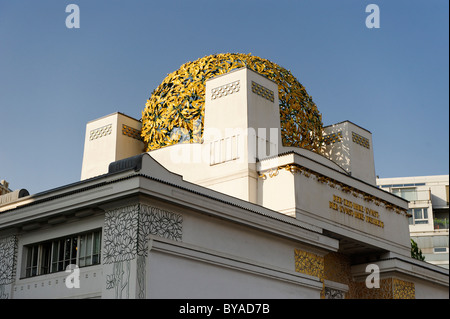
[178, 102]
[336, 267]
[403, 289]
[360, 291]
[308, 263]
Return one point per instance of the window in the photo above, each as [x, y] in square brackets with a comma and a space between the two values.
[405, 193]
[53, 256]
[419, 216]
[402, 185]
[440, 249]
[89, 253]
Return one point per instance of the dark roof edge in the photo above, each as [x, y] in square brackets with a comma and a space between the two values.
[348, 122]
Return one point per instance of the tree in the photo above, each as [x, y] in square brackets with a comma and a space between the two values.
[416, 252]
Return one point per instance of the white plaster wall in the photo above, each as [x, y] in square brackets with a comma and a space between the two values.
[278, 192]
[430, 290]
[171, 276]
[100, 152]
[127, 146]
[239, 241]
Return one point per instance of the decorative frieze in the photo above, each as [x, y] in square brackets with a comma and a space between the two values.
[358, 139]
[131, 132]
[262, 91]
[332, 138]
[390, 288]
[126, 234]
[120, 234]
[100, 132]
[308, 263]
[225, 90]
[158, 222]
[403, 289]
[8, 257]
[294, 168]
[126, 230]
[331, 293]
[334, 270]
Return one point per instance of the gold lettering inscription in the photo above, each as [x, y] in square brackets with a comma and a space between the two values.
[359, 215]
[334, 206]
[374, 221]
[347, 203]
[356, 210]
[337, 199]
[358, 207]
[372, 212]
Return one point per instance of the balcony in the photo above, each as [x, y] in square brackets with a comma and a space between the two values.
[413, 195]
[441, 223]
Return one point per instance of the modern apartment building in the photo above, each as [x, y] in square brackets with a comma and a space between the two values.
[428, 206]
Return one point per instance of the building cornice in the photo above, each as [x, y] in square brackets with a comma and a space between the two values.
[299, 162]
[94, 193]
[406, 267]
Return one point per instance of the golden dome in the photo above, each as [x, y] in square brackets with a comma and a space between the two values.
[174, 113]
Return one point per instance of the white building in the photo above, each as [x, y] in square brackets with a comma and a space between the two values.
[428, 205]
[235, 216]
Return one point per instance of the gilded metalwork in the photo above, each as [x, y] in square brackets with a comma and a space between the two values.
[309, 264]
[175, 111]
[358, 139]
[131, 132]
[390, 288]
[294, 168]
[403, 289]
[332, 138]
[330, 293]
[359, 290]
[336, 267]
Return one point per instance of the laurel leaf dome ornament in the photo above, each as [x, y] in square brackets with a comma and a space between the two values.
[175, 111]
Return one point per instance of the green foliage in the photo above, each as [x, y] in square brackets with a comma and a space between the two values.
[416, 252]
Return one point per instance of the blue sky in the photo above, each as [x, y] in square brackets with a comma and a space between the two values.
[393, 81]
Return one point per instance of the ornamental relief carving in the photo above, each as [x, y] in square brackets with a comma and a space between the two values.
[8, 257]
[126, 232]
[309, 263]
[331, 293]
